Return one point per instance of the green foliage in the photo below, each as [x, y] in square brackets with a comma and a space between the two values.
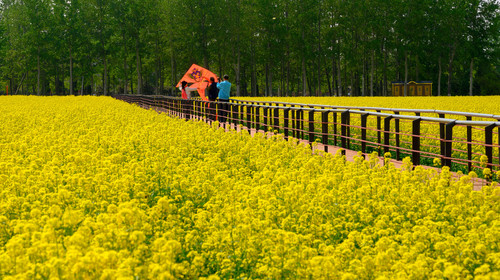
[268, 47]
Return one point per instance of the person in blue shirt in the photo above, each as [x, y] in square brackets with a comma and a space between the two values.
[224, 94]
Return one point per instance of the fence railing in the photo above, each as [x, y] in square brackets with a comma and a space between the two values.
[461, 140]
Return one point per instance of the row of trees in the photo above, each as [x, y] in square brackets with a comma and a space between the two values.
[268, 47]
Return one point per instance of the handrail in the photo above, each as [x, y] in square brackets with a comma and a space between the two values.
[425, 111]
[353, 109]
[420, 137]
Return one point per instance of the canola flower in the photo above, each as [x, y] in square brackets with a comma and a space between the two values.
[94, 188]
[475, 104]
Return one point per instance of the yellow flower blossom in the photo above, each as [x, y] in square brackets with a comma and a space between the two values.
[95, 188]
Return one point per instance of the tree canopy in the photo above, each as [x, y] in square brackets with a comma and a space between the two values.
[267, 47]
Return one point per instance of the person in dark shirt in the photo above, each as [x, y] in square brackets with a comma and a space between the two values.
[213, 92]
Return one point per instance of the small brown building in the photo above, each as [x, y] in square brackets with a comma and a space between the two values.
[423, 88]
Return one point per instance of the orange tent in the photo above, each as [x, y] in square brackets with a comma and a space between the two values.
[199, 78]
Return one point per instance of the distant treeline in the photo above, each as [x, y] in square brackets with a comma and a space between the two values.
[267, 47]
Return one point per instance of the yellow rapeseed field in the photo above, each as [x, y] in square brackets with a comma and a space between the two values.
[476, 104]
[94, 188]
[431, 143]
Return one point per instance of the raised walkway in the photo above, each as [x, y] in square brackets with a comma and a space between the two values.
[350, 155]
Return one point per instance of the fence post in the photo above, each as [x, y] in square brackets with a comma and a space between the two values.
[301, 125]
[178, 107]
[396, 124]
[488, 141]
[234, 108]
[387, 134]
[191, 108]
[195, 109]
[265, 109]
[242, 114]
[344, 120]
[311, 126]
[442, 134]
[448, 143]
[348, 130]
[469, 145]
[257, 118]
[416, 142]
[379, 132]
[199, 108]
[181, 109]
[335, 128]
[364, 118]
[324, 130]
[249, 116]
[286, 114]
[276, 116]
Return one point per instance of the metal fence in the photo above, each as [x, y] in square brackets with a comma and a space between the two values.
[463, 141]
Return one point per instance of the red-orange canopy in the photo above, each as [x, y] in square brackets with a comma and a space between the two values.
[199, 78]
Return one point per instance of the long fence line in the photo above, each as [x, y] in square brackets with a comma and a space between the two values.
[463, 144]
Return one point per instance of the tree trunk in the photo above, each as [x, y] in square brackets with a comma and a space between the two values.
[238, 67]
[450, 68]
[82, 87]
[125, 68]
[339, 74]
[439, 77]
[384, 87]
[92, 85]
[38, 72]
[318, 93]
[304, 77]
[204, 43]
[363, 93]
[310, 82]
[288, 71]
[253, 74]
[270, 81]
[372, 73]
[352, 89]
[105, 88]
[282, 81]
[158, 69]
[471, 77]
[416, 68]
[328, 82]
[56, 81]
[172, 69]
[287, 90]
[406, 75]
[266, 91]
[20, 83]
[334, 69]
[139, 77]
[70, 72]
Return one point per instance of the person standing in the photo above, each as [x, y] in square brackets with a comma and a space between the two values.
[186, 95]
[185, 90]
[224, 91]
[213, 93]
